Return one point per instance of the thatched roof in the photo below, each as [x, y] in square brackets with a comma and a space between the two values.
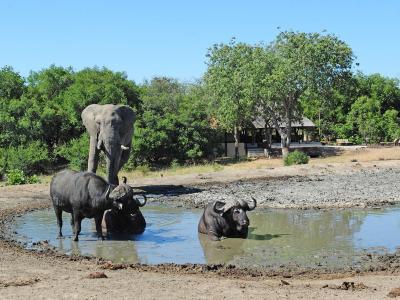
[259, 123]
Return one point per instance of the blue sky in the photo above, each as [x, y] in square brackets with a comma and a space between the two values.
[150, 38]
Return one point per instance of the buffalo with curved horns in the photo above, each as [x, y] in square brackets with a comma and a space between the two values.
[226, 219]
[127, 218]
[85, 195]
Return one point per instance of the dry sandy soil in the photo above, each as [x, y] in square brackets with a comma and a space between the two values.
[49, 275]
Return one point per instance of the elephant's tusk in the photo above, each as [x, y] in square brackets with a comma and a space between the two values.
[124, 147]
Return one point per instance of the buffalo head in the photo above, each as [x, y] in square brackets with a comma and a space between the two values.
[125, 199]
[235, 211]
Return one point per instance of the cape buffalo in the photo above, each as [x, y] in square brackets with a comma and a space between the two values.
[129, 219]
[226, 219]
[85, 195]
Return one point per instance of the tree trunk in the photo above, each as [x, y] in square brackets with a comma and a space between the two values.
[267, 137]
[267, 141]
[286, 137]
[236, 135]
[285, 143]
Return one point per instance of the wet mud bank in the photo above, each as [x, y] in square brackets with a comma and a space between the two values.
[357, 187]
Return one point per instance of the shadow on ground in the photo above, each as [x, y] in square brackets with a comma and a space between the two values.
[168, 190]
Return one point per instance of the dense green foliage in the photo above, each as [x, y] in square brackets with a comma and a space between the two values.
[29, 158]
[365, 110]
[41, 127]
[40, 115]
[296, 158]
[297, 74]
[173, 125]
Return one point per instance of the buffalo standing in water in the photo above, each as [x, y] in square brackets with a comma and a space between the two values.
[85, 195]
[226, 219]
[129, 219]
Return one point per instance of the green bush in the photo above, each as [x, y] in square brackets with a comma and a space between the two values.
[175, 164]
[76, 152]
[33, 179]
[296, 158]
[29, 158]
[15, 177]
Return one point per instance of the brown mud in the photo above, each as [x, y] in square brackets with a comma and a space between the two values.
[46, 273]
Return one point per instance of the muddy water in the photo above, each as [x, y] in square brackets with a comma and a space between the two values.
[309, 238]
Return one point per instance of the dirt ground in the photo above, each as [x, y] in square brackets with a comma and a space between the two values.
[49, 275]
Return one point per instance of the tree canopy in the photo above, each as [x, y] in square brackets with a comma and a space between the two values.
[297, 74]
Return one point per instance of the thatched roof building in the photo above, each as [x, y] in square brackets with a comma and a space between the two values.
[259, 123]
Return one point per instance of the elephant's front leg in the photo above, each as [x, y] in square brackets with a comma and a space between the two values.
[93, 160]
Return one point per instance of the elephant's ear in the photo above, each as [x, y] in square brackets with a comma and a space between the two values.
[89, 117]
[126, 113]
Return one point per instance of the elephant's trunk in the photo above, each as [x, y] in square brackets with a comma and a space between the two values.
[113, 156]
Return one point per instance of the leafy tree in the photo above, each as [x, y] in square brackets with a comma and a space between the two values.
[101, 86]
[28, 158]
[197, 139]
[329, 111]
[47, 110]
[366, 120]
[11, 83]
[225, 80]
[173, 124]
[11, 107]
[76, 152]
[385, 90]
[292, 65]
[43, 117]
[391, 125]
[49, 83]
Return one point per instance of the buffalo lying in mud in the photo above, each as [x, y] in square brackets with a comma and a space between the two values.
[226, 219]
[126, 219]
[85, 195]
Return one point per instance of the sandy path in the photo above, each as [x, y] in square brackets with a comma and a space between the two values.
[46, 276]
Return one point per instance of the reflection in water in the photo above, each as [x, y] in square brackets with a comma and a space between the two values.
[275, 237]
[262, 237]
[224, 251]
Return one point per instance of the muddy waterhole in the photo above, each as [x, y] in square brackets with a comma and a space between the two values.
[305, 237]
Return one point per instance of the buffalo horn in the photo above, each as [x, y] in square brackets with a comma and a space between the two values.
[107, 192]
[226, 206]
[220, 209]
[138, 201]
[253, 204]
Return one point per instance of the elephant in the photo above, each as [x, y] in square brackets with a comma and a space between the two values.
[111, 129]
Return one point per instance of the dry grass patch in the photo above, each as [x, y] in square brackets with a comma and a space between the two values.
[361, 155]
